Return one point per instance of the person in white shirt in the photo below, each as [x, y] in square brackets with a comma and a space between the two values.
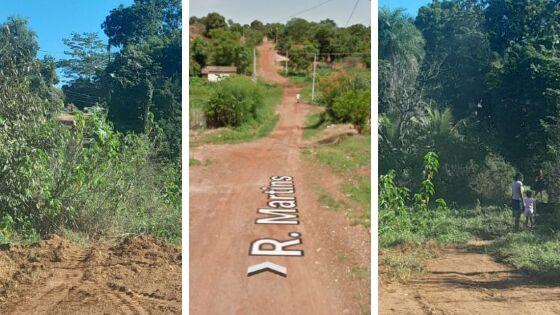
[517, 199]
[529, 209]
[297, 98]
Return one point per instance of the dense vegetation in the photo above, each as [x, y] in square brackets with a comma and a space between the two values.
[104, 174]
[477, 84]
[244, 108]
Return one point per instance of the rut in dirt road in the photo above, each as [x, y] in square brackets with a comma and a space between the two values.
[224, 198]
[139, 275]
[466, 280]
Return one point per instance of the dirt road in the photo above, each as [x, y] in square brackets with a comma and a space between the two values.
[140, 275]
[466, 280]
[224, 198]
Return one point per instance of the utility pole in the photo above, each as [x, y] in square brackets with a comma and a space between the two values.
[287, 58]
[314, 72]
[254, 64]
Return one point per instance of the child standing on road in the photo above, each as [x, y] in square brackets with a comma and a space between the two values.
[529, 209]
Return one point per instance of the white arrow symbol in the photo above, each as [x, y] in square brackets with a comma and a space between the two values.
[267, 266]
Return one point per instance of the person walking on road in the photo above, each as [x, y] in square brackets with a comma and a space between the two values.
[297, 98]
[517, 203]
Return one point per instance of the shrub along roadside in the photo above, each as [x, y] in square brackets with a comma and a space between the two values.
[252, 107]
[236, 101]
[96, 182]
[346, 97]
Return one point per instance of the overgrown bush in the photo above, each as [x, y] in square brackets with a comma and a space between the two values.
[87, 178]
[236, 101]
[354, 107]
[551, 170]
[406, 218]
[339, 82]
[492, 180]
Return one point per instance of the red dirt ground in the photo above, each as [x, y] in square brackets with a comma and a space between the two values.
[139, 275]
[466, 280]
[224, 197]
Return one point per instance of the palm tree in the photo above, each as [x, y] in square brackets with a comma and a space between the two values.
[400, 42]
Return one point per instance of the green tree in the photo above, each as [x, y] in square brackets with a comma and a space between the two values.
[84, 66]
[457, 53]
[87, 56]
[144, 78]
[522, 22]
[257, 25]
[354, 107]
[301, 56]
[324, 37]
[272, 30]
[144, 18]
[213, 21]
[524, 93]
[401, 52]
[198, 55]
[226, 50]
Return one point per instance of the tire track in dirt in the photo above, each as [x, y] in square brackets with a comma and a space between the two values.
[466, 280]
[224, 196]
[139, 275]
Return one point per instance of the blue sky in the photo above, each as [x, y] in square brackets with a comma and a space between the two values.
[245, 11]
[411, 6]
[54, 20]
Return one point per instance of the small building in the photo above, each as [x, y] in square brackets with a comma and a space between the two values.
[216, 73]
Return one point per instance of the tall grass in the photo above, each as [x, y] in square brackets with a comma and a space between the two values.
[263, 123]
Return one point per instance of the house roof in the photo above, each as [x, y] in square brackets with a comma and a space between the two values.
[218, 69]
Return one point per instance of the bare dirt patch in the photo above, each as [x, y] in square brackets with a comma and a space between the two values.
[466, 280]
[138, 275]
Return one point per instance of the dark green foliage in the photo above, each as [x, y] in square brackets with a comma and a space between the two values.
[521, 22]
[272, 30]
[227, 50]
[213, 21]
[257, 25]
[144, 18]
[198, 56]
[525, 91]
[144, 78]
[457, 53]
[332, 42]
[236, 101]
[406, 218]
[301, 57]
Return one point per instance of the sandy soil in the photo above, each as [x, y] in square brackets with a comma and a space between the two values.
[139, 275]
[466, 280]
[224, 197]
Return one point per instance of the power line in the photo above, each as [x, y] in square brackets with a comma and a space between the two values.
[307, 10]
[352, 13]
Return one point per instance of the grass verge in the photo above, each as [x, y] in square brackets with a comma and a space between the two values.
[248, 132]
[347, 155]
[314, 123]
[349, 158]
